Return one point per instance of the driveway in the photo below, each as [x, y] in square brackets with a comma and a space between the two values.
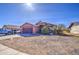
[9, 36]
[4, 50]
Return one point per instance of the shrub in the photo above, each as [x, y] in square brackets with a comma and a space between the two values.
[45, 30]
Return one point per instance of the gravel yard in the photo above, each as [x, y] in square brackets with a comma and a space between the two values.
[44, 45]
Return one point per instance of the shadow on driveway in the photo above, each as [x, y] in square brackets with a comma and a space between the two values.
[29, 35]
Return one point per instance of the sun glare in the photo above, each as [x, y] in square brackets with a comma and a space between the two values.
[29, 6]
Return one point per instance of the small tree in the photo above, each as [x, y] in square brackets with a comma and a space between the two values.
[53, 30]
[45, 30]
[60, 28]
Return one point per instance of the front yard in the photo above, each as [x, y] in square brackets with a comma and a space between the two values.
[44, 45]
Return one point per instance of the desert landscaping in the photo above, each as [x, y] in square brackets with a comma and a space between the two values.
[44, 45]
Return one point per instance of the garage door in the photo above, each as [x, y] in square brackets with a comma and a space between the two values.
[27, 30]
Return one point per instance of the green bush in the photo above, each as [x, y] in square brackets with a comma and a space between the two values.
[45, 30]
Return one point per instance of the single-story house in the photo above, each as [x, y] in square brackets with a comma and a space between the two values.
[13, 28]
[74, 28]
[28, 28]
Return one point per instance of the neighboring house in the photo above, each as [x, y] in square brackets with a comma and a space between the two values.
[14, 29]
[28, 28]
[74, 28]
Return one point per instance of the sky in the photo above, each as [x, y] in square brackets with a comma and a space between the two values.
[55, 13]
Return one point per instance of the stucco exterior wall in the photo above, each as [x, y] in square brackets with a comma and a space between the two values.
[35, 29]
[75, 29]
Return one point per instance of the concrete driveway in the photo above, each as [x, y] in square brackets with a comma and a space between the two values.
[9, 36]
[4, 50]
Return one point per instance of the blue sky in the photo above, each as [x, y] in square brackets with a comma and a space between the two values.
[19, 13]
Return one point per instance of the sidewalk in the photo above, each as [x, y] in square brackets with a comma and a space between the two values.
[9, 36]
[4, 50]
